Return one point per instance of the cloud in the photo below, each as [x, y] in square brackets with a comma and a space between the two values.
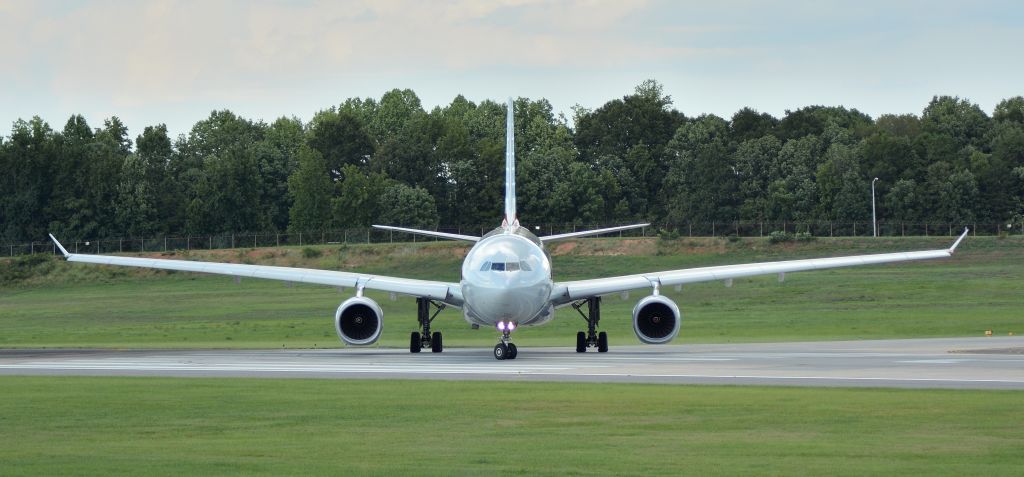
[149, 58]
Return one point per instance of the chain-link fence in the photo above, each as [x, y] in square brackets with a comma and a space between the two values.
[371, 235]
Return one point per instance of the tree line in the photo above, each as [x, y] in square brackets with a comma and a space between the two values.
[390, 161]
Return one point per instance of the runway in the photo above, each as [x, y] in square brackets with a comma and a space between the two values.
[976, 363]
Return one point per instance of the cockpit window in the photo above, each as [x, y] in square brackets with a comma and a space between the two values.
[506, 266]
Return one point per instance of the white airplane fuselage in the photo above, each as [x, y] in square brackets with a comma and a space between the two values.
[506, 277]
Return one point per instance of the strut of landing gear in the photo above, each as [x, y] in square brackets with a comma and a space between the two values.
[593, 316]
[418, 340]
[505, 349]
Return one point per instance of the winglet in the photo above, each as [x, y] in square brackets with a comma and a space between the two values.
[953, 248]
[61, 247]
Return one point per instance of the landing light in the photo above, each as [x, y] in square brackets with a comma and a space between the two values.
[511, 326]
[501, 326]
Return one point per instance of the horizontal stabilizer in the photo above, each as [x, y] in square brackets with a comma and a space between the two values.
[556, 237]
[429, 233]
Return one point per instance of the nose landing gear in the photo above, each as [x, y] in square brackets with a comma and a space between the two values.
[505, 349]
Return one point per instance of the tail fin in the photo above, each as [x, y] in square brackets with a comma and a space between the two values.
[510, 170]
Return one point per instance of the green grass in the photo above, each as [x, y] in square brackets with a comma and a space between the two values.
[160, 426]
[58, 304]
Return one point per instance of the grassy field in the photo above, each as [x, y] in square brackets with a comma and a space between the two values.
[51, 303]
[157, 426]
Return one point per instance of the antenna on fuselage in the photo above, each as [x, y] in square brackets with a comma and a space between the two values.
[510, 170]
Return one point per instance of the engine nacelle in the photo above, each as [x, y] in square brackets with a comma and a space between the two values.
[359, 321]
[656, 320]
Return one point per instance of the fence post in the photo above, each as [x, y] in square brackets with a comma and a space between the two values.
[165, 243]
[300, 239]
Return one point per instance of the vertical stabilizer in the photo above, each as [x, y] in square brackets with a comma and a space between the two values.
[510, 169]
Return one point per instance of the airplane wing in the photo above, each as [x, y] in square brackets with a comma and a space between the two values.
[565, 292]
[450, 293]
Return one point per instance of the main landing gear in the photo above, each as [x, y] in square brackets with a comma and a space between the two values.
[418, 340]
[505, 349]
[591, 338]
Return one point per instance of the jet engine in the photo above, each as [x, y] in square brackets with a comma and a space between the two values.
[656, 320]
[359, 321]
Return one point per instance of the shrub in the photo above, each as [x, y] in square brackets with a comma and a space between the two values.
[311, 253]
[779, 237]
[803, 237]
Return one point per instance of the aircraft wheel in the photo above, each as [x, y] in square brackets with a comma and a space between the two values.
[602, 342]
[435, 342]
[581, 342]
[500, 351]
[512, 351]
[414, 342]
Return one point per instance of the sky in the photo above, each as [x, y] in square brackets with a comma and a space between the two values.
[173, 62]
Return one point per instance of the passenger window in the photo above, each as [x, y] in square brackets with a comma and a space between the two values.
[525, 266]
[498, 267]
[512, 267]
[485, 267]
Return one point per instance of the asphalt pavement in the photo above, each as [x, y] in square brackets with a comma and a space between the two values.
[977, 363]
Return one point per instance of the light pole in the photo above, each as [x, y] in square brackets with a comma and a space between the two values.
[874, 221]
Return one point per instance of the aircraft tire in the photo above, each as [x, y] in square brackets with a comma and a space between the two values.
[512, 351]
[414, 342]
[435, 342]
[602, 342]
[500, 351]
[581, 342]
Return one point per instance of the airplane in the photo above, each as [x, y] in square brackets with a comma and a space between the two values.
[506, 282]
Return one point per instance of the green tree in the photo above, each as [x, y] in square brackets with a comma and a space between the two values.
[357, 199]
[28, 179]
[408, 206]
[134, 213]
[1010, 110]
[341, 138]
[701, 182]
[842, 189]
[956, 118]
[311, 189]
[950, 193]
[748, 124]
[904, 201]
[754, 159]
